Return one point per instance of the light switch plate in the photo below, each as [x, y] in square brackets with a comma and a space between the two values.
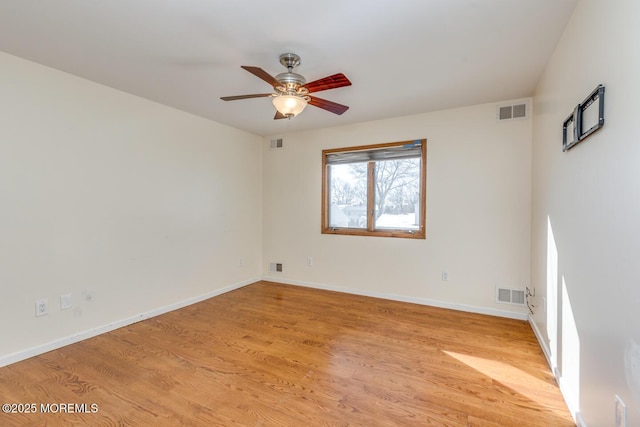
[65, 301]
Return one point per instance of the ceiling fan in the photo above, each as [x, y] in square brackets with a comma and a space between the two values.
[292, 90]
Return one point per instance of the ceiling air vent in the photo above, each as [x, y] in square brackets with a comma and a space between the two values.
[513, 111]
[510, 296]
[276, 144]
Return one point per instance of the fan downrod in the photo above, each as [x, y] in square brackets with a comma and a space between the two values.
[290, 83]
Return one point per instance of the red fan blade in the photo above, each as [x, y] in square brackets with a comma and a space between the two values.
[331, 82]
[235, 98]
[334, 107]
[279, 116]
[259, 72]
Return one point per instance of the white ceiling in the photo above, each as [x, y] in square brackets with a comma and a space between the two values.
[402, 56]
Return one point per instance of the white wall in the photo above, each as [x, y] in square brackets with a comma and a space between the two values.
[129, 205]
[586, 211]
[478, 213]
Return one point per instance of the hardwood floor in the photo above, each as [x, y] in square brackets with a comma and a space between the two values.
[278, 355]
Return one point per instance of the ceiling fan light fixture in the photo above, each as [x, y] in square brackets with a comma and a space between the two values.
[289, 105]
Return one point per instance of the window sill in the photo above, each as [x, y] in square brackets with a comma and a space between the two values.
[413, 234]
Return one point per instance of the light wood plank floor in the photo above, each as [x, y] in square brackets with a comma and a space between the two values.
[278, 355]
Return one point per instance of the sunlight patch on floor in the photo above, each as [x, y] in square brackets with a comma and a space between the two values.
[541, 392]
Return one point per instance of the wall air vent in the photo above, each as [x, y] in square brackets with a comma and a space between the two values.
[517, 111]
[276, 144]
[275, 267]
[510, 296]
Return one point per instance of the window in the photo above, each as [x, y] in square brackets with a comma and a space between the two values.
[375, 190]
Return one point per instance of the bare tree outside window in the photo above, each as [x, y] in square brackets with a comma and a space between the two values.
[348, 196]
[397, 190]
[397, 193]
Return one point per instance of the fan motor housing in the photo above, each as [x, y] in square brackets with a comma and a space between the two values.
[291, 80]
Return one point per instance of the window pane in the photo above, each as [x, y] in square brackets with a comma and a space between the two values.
[348, 195]
[397, 194]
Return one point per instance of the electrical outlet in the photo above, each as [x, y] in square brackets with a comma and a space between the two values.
[621, 413]
[309, 261]
[65, 301]
[241, 262]
[445, 276]
[42, 307]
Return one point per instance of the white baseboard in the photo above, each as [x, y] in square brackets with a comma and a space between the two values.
[58, 343]
[580, 421]
[543, 344]
[573, 408]
[402, 298]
